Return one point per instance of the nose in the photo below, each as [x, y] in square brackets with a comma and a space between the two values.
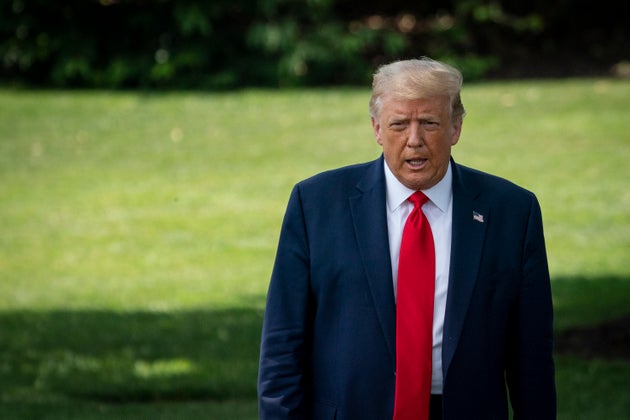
[415, 138]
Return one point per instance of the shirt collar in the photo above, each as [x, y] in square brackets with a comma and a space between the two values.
[440, 194]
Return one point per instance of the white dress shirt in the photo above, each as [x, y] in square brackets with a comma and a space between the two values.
[439, 213]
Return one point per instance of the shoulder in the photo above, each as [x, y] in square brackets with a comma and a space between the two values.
[355, 171]
[343, 179]
[497, 192]
[328, 194]
[475, 180]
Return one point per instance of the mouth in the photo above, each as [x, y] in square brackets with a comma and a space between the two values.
[416, 163]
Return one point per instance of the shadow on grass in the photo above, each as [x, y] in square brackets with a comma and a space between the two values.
[582, 301]
[202, 355]
[592, 317]
[129, 357]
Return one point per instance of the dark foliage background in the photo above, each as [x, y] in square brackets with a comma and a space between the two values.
[226, 44]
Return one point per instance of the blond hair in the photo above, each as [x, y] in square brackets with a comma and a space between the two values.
[417, 79]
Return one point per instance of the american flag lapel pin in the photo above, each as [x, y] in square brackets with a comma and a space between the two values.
[477, 217]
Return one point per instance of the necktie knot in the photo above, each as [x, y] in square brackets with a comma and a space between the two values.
[418, 199]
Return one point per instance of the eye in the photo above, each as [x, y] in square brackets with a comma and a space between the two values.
[397, 125]
[430, 124]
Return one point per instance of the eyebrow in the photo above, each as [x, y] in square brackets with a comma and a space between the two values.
[423, 117]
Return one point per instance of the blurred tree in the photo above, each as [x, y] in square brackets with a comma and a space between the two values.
[215, 44]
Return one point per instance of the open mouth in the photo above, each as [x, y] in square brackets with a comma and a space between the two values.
[416, 163]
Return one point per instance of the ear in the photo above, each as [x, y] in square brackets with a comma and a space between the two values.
[377, 130]
[457, 131]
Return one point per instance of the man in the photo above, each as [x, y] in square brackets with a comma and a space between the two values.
[335, 335]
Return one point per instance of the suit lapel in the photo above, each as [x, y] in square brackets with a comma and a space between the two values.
[470, 217]
[370, 226]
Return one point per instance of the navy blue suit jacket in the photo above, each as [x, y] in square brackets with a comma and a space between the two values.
[328, 341]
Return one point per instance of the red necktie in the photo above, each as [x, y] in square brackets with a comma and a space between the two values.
[414, 315]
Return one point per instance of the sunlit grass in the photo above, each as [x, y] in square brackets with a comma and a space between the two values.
[175, 200]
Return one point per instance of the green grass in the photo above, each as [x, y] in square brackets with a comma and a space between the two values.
[139, 230]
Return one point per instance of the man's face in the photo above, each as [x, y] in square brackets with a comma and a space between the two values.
[416, 136]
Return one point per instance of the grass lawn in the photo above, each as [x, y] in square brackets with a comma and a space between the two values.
[139, 230]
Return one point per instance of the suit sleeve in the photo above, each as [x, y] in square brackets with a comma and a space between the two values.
[530, 366]
[282, 367]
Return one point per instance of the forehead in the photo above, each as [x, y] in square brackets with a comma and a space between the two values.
[434, 105]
